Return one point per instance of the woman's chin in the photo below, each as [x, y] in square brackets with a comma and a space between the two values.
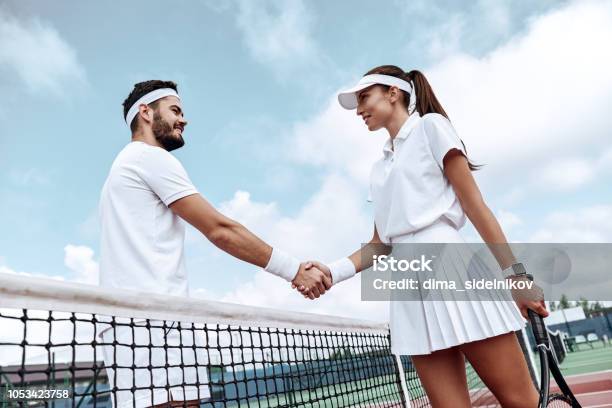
[372, 127]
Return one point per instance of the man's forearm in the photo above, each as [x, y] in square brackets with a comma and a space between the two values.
[241, 243]
[234, 238]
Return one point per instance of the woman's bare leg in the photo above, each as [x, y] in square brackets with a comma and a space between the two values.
[500, 363]
[442, 374]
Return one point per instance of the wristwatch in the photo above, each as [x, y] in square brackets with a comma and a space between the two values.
[519, 271]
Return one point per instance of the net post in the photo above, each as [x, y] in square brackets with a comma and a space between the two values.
[402, 378]
[563, 335]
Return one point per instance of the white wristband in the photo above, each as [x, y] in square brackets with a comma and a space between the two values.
[342, 269]
[283, 265]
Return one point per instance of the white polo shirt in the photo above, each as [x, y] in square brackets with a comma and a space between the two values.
[408, 186]
[142, 240]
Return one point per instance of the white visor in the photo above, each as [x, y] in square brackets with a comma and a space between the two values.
[348, 97]
[147, 99]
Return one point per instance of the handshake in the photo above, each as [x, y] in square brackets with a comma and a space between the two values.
[313, 279]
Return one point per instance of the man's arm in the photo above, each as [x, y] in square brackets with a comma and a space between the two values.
[223, 232]
[235, 239]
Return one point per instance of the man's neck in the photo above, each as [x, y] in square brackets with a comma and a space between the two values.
[145, 137]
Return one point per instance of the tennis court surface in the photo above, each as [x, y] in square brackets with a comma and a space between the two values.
[55, 335]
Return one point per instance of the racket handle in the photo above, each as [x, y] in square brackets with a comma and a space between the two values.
[537, 324]
[539, 327]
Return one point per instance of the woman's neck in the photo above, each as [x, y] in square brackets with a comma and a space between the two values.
[396, 123]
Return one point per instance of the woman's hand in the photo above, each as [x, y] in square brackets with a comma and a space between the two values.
[324, 269]
[529, 298]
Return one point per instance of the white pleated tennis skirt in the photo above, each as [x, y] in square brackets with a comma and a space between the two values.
[422, 327]
[152, 382]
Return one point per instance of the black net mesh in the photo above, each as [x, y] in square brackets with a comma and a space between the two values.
[556, 340]
[81, 359]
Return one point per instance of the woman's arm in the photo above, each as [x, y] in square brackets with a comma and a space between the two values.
[363, 258]
[459, 175]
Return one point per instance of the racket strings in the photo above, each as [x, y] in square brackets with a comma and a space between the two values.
[559, 401]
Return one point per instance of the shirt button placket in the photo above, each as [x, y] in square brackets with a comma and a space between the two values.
[388, 165]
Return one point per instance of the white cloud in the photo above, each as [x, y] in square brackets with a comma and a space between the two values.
[278, 34]
[566, 174]
[256, 216]
[522, 102]
[511, 197]
[79, 259]
[512, 107]
[35, 52]
[497, 15]
[276, 31]
[508, 219]
[7, 269]
[337, 140]
[471, 27]
[589, 224]
[332, 224]
[446, 39]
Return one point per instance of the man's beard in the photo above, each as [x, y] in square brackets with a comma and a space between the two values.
[163, 134]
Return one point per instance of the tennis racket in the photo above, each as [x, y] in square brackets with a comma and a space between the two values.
[548, 364]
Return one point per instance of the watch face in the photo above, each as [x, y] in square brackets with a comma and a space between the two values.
[519, 269]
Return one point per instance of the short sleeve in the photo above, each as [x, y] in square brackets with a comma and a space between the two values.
[441, 136]
[165, 175]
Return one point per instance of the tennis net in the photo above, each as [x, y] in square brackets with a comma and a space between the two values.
[558, 345]
[100, 348]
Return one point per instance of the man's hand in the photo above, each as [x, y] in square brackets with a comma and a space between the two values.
[312, 281]
[307, 290]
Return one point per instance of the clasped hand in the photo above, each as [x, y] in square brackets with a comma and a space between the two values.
[526, 299]
[312, 280]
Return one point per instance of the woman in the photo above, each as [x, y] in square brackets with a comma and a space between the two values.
[422, 190]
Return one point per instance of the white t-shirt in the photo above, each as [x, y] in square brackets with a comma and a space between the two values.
[141, 246]
[408, 186]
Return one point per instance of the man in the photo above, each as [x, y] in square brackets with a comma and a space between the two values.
[145, 194]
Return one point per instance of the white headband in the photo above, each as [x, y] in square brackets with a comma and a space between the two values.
[348, 97]
[147, 99]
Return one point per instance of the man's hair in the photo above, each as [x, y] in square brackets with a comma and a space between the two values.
[141, 89]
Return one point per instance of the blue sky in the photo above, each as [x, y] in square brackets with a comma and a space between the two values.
[527, 85]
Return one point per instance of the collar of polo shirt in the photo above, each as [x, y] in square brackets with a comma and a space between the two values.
[403, 133]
